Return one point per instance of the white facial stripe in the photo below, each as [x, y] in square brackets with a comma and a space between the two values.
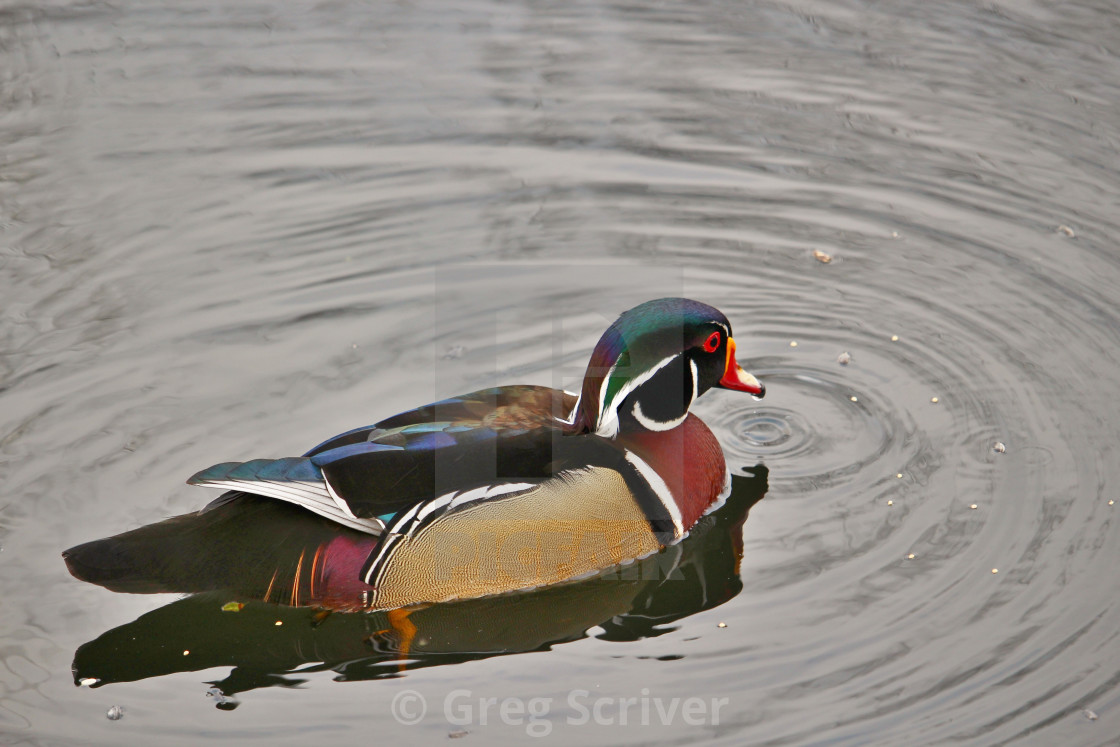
[608, 418]
[657, 425]
[695, 383]
[603, 393]
[661, 490]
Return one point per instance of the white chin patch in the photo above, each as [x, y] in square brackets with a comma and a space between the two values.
[655, 425]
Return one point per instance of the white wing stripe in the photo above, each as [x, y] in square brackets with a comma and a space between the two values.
[338, 501]
[312, 501]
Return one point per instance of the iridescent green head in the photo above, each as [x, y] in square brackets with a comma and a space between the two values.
[653, 362]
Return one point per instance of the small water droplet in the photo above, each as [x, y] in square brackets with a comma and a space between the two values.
[722, 625]
[974, 506]
[934, 400]
[999, 447]
[894, 338]
[844, 358]
[793, 343]
[995, 570]
[910, 556]
[88, 681]
[899, 475]
[115, 713]
[854, 398]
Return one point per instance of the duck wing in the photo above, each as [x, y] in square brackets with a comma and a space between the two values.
[499, 440]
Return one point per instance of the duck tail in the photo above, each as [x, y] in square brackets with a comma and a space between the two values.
[256, 546]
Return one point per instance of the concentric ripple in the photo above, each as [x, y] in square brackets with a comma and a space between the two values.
[768, 430]
[812, 427]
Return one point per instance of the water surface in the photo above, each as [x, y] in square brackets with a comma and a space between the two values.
[229, 231]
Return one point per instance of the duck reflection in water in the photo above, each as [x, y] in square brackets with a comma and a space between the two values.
[253, 608]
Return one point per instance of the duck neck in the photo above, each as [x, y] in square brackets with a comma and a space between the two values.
[688, 458]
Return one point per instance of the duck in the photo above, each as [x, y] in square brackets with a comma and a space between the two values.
[503, 489]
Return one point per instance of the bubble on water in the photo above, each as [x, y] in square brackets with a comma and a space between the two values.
[115, 713]
[1089, 714]
[766, 430]
[221, 700]
[1064, 229]
[822, 257]
[999, 447]
[844, 358]
[88, 681]
[793, 343]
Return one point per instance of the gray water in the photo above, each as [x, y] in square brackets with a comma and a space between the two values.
[230, 230]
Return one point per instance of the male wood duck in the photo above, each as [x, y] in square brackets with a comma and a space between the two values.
[505, 488]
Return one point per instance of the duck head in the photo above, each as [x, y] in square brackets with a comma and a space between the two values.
[653, 362]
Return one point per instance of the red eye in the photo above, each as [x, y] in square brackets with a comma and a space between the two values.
[711, 343]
